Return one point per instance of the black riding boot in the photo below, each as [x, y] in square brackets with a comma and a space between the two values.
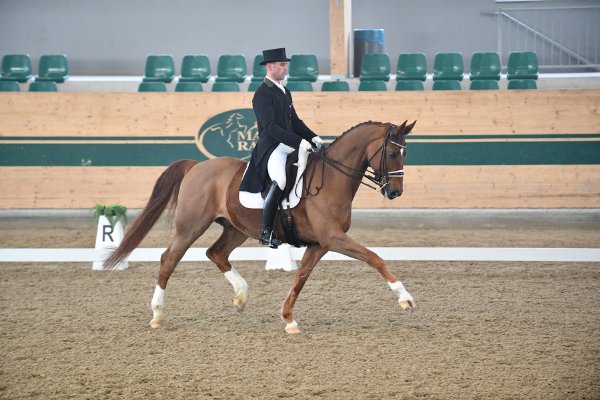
[267, 236]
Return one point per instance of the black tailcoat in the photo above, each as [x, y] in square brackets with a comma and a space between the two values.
[277, 123]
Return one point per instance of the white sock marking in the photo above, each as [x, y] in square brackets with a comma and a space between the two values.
[398, 288]
[291, 325]
[158, 300]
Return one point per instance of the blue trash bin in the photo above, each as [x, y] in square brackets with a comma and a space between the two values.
[366, 41]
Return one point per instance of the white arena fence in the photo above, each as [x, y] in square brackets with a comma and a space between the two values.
[19, 255]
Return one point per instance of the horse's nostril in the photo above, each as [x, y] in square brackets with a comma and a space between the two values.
[394, 194]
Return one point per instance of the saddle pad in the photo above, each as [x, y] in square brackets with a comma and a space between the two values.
[255, 200]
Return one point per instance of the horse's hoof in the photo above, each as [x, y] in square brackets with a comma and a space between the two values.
[407, 304]
[156, 323]
[239, 303]
[293, 328]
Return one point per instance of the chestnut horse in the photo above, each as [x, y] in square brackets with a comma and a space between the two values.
[205, 192]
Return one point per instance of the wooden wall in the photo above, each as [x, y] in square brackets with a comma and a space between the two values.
[551, 112]
[159, 114]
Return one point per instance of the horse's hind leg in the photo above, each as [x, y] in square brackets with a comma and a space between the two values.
[184, 236]
[219, 254]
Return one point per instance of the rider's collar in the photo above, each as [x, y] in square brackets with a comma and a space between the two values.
[279, 85]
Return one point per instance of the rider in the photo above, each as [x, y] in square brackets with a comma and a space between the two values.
[280, 132]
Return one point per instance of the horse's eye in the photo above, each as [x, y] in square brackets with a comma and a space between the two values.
[394, 154]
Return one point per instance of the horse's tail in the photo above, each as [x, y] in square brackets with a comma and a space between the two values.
[164, 194]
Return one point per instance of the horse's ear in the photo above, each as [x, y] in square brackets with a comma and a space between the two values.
[409, 128]
[401, 129]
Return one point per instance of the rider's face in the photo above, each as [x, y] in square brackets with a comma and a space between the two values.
[277, 70]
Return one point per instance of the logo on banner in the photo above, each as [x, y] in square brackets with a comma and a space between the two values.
[232, 133]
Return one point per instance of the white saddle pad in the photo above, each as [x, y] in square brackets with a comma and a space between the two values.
[255, 200]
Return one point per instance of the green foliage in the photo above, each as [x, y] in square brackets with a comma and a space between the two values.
[113, 212]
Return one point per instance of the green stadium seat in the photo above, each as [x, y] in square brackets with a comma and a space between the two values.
[15, 67]
[252, 86]
[335, 86]
[303, 67]
[43, 86]
[258, 71]
[409, 85]
[9, 86]
[522, 65]
[411, 67]
[299, 86]
[485, 66]
[522, 84]
[231, 68]
[446, 85]
[189, 87]
[152, 87]
[53, 67]
[372, 86]
[226, 87]
[448, 66]
[195, 68]
[484, 85]
[375, 67]
[159, 68]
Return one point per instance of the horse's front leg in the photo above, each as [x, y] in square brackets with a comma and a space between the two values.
[311, 257]
[342, 243]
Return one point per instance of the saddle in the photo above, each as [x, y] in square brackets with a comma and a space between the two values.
[292, 192]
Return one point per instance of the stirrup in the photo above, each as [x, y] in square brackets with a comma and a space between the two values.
[270, 240]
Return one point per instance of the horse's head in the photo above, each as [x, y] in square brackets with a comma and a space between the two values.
[386, 158]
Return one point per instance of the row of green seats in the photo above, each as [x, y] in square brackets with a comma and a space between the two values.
[447, 85]
[303, 67]
[410, 85]
[449, 66]
[189, 87]
[294, 86]
[341, 86]
[38, 86]
[230, 68]
[51, 67]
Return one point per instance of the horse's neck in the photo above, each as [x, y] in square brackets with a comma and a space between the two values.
[352, 153]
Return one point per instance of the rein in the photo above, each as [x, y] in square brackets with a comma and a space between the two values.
[379, 178]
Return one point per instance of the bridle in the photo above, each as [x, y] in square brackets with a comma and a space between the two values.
[380, 178]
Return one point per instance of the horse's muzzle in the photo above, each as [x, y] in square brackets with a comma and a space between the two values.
[392, 194]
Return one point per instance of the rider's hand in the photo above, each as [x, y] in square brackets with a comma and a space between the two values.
[304, 145]
[317, 141]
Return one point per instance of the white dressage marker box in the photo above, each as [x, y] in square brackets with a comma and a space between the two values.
[281, 258]
[108, 237]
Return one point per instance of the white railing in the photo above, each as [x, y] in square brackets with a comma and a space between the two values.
[564, 38]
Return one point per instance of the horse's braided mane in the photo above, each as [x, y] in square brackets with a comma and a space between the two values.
[354, 127]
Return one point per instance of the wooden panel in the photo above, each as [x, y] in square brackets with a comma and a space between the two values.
[182, 114]
[76, 187]
[568, 186]
[541, 186]
[328, 113]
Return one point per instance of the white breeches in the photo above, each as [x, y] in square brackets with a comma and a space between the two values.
[276, 164]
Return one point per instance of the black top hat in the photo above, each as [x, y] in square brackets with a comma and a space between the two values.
[274, 55]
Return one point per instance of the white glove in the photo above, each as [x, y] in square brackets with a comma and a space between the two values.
[317, 141]
[304, 145]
